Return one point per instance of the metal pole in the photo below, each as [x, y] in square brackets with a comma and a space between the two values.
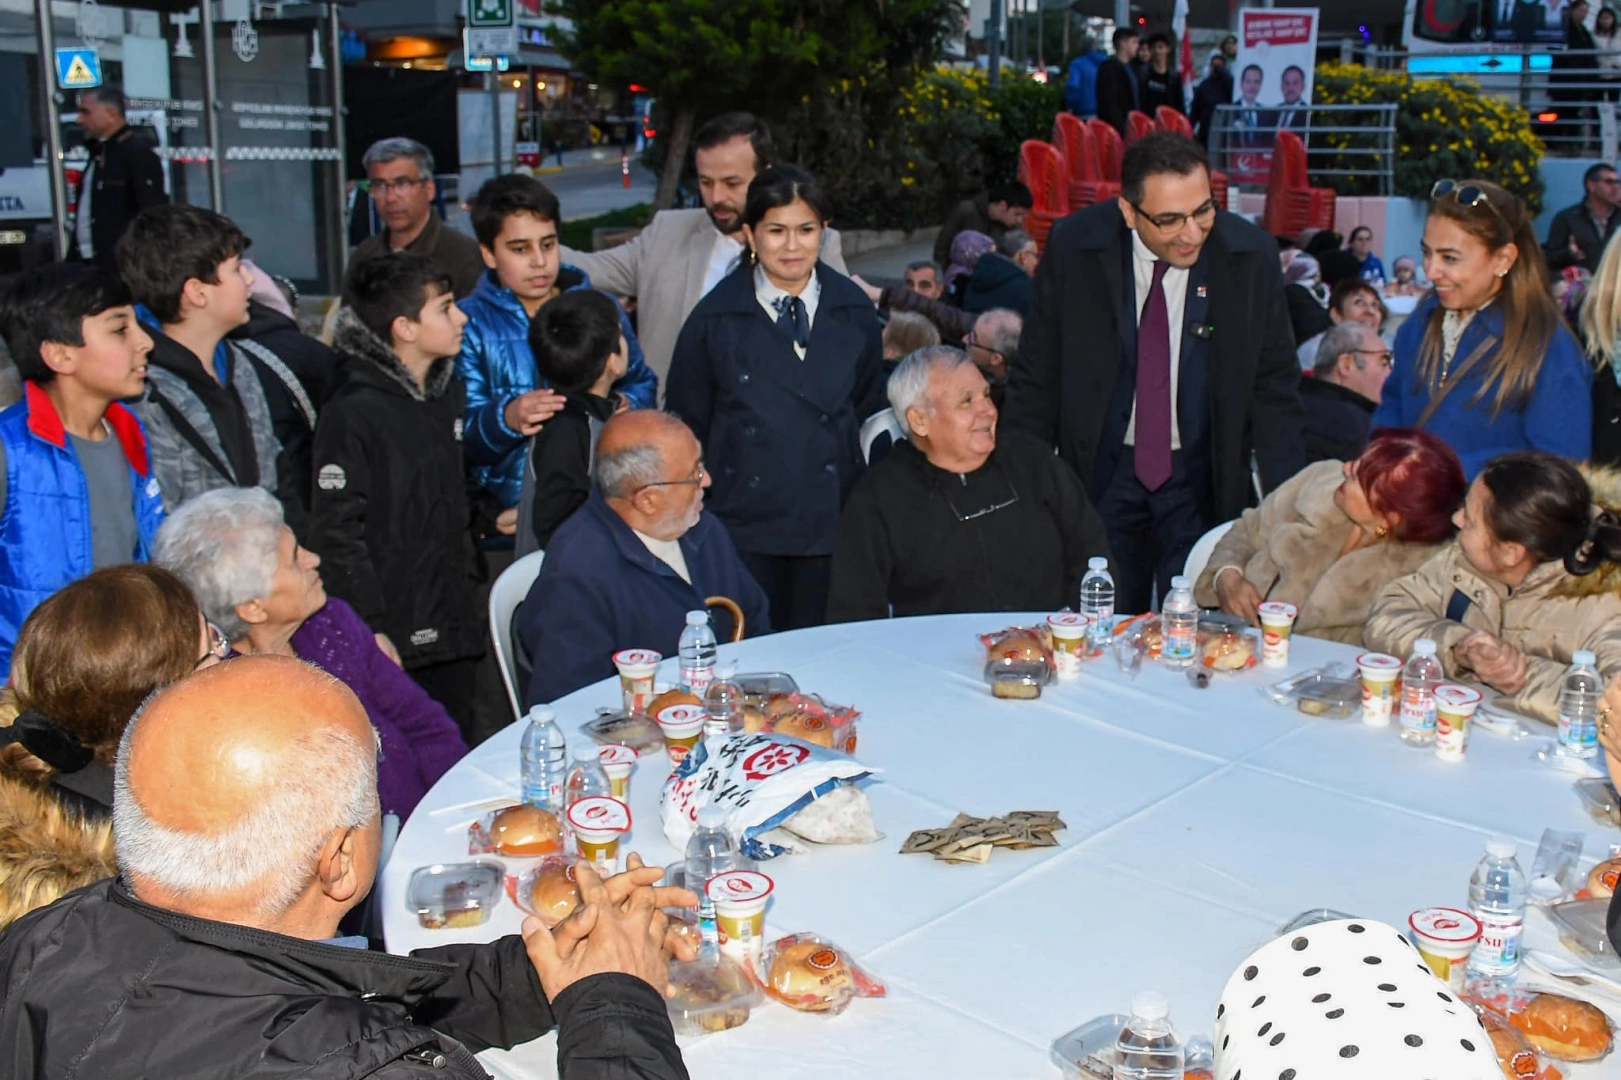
[53, 128]
[211, 114]
[1041, 34]
[495, 112]
[993, 57]
[1122, 14]
[340, 138]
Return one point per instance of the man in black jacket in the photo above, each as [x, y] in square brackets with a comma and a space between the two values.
[1118, 91]
[122, 178]
[1339, 395]
[1158, 357]
[960, 517]
[390, 513]
[1578, 234]
[246, 817]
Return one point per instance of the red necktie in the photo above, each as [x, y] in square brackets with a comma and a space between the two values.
[1154, 386]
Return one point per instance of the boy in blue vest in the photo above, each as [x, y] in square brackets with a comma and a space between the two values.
[76, 486]
[516, 218]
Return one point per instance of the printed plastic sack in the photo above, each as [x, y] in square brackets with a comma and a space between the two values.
[762, 780]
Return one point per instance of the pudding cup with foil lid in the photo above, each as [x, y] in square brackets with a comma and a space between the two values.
[1277, 627]
[740, 898]
[1445, 937]
[1070, 632]
[617, 762]
[683, 726]
[637, 668]
[598, 823]
[1379, 675]
[1454, 707]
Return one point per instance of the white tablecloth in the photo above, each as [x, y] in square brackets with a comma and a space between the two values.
[1199, 822]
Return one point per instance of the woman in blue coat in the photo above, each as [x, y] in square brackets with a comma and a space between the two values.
[774, 370]
[1485, 361]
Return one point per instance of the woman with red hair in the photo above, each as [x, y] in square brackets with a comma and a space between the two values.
[1330, 539]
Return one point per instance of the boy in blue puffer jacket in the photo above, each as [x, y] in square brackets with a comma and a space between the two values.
[76, 486]
[515, 218]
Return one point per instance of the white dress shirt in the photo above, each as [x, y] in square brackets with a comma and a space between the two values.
[1175, 285]
[768, 294]
[723, 258]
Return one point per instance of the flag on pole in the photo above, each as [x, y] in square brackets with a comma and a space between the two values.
[1179, 27]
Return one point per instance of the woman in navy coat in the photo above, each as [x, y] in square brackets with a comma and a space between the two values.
[774, 370]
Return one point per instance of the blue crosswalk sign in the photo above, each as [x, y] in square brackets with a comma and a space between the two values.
[78, 68]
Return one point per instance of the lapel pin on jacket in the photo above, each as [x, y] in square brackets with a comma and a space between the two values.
[1201, 292]
[1202, 331]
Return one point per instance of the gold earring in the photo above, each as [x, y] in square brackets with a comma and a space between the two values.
[1381, 531]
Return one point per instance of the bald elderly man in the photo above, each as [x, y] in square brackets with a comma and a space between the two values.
[625, 569]
[246, 817]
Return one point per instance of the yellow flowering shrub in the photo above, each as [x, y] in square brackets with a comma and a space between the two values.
[1445, 128]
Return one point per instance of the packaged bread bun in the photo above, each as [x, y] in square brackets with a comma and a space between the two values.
[550, 891]
[1605, 879]
[1228, 651]
[517, 830]
[812, 974]
[1565, 1028]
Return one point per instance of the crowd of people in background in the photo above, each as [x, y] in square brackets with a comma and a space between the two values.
[294, 539]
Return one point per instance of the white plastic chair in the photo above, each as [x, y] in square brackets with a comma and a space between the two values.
[505, 596]
[875, 425]
[1199, 557]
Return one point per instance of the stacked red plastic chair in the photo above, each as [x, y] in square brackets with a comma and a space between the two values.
[1043, 171]
[1111, 148]
[1292, 204]
[1139, 124]
[1171, 120]
[1086, 184]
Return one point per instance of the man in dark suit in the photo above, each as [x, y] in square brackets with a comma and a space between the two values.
[1118, 91]
[1158, 358]
[1295, 112]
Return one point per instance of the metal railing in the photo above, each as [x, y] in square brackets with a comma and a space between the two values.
[1350, 148]
[1570, 95]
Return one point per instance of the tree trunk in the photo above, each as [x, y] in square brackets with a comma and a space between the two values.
[675, 156]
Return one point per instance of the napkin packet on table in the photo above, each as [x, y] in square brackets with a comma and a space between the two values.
[971, 839]
[766, 781]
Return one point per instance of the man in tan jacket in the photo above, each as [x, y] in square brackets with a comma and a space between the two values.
[682, 254]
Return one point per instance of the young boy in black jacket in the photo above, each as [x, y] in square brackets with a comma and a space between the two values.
[580, 350]
[390, 502]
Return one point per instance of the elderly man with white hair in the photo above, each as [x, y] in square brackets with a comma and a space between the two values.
[246, 819]
[1342, 391]
[957, 518]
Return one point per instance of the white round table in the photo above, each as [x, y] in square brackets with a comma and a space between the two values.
[1199, 822]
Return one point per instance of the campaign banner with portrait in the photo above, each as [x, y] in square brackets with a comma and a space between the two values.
[1277, 50]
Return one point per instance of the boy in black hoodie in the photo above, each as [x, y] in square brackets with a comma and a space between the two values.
[580, 350]
[390, 510]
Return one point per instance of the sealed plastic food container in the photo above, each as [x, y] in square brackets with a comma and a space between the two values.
[454, 896]
[1312, 918]
[1600, 799]
[712, 993]
[1581, 930]
[811, 974]
[548, 890]
[760, 687]
[1332, 691]
[1087, 1053]
[630, 729]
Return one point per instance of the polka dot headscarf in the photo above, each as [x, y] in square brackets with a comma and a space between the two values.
[1346, 1000]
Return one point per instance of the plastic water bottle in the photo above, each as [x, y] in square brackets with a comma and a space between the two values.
[1097, 602]
[1579, 701]
[585, 776]
[545, 761]
[1179, 625]
[697, 654]
[1148, 1047]
[724, 703]
[711, 851]
[1497, 892]
[1418, 682]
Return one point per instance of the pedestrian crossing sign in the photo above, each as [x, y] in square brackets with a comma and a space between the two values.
[78, 68]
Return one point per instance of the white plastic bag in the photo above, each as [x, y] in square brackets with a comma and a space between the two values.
[762, 780]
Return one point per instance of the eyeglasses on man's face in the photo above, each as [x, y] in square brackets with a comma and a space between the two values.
[382, 188]
[695, 480]
[1385, 356]
[1204, 217]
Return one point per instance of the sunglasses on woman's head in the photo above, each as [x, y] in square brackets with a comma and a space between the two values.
[1472, 196]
